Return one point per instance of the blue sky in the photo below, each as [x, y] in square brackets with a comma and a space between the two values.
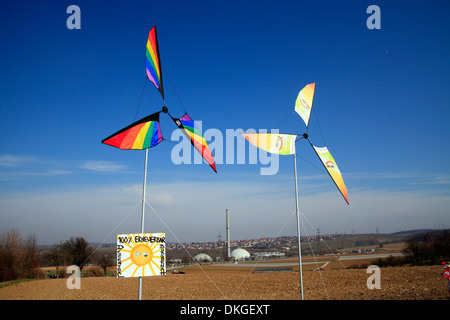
[381, 107]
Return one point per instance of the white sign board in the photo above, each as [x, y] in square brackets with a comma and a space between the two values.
[141, 255]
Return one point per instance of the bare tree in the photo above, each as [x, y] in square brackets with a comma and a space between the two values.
[78, 251]
[19, 259]
[56, 256]
[105, 261]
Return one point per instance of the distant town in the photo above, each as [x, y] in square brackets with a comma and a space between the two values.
[285, 242]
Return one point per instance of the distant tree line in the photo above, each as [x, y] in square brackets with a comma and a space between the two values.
[423, 249]
[431, 248]
[20, 258]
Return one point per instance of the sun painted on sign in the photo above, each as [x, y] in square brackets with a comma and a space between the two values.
[141, 254]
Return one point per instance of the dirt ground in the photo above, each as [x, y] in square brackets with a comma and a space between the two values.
[399, 283]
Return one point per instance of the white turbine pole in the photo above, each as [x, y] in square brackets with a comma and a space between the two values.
[298, 227]
[143, 211]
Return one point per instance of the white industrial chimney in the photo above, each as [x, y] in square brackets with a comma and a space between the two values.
[228, 234]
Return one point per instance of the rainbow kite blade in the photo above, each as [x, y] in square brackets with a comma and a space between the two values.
[273, 142]
[190, 130]
[139, 135]
[153, 61]
[328, 162]
[303, 104]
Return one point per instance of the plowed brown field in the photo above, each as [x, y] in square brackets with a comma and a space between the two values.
[399, 283]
